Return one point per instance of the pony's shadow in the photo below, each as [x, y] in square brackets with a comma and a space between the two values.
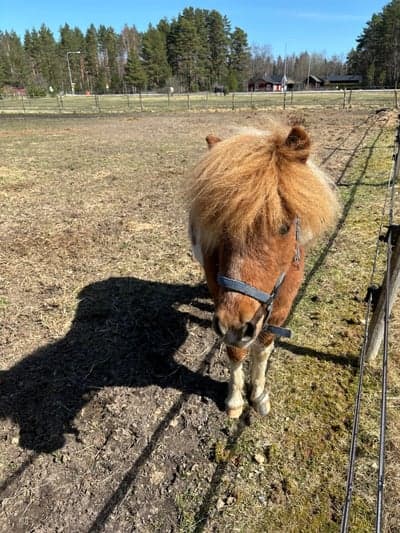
[125, 332]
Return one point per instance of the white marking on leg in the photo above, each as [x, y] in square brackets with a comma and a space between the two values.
[234, 402]
[259, 394]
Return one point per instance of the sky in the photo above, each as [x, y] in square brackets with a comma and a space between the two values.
[328, 27]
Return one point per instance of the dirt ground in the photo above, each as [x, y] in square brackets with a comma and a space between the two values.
[112, 384]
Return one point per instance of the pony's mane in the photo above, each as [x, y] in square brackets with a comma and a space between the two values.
[261, 177]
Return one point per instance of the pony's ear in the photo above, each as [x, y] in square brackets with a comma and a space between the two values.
[211, 140]
[298, 142]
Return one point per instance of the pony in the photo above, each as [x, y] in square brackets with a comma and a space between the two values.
[257, 203]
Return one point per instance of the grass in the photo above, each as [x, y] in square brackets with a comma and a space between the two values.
[195, 102]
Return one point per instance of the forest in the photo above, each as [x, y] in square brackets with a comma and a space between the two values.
[195, 51]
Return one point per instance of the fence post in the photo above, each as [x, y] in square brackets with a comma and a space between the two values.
[60, 103]
[344, 98]
[284, 99]
[97, 101]
[23, 103]
[396, 104]
[233, 101]
[378, 318]
[188, 101]
[349, 98]
[129, 102]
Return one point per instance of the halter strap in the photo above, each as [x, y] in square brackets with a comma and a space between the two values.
[264, 298]
[236, 285]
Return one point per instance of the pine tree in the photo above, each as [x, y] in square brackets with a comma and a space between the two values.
[135, 75]
[154, 52]
[91, 58]
[239, 60]
[377, 55]
[13, 62]
[218, 37]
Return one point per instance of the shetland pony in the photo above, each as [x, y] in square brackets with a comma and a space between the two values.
[256, 202]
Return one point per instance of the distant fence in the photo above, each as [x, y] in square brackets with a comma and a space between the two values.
[130, 103]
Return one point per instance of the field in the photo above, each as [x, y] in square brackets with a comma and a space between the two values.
[138, 103]
[112, 383]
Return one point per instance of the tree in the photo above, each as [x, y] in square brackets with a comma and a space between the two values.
[377, 55]
[154, 53]
[72, 40]
[239, 60]
[218, 36]
[13, 62]
[135, 75]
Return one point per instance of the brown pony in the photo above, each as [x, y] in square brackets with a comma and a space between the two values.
[255, 202]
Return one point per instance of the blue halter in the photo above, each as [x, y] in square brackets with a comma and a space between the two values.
[264, 298]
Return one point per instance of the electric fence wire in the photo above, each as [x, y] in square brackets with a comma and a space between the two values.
[383, 418]
[357, 407]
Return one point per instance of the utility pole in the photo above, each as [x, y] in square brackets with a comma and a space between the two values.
[69, 71]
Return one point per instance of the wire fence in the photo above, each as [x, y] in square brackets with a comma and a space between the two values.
[383, 309]
[131, 103]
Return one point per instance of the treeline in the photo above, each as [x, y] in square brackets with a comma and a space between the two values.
[197, 50]
[377, 55]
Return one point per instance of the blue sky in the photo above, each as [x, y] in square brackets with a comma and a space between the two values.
[329, 27]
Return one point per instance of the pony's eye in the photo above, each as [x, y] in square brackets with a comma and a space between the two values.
[283, 229]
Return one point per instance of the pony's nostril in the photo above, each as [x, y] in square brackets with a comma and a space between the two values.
[249, 330]
[219, 329]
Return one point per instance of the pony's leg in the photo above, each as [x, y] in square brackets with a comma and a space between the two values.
[234, 402]
[259, 394]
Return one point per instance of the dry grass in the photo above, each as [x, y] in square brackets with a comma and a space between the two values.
[110, 390]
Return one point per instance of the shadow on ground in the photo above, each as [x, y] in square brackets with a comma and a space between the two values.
[125, 333]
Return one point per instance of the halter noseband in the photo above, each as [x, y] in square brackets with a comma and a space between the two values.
[264, 298]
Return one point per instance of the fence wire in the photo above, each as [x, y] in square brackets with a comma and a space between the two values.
[389, 196]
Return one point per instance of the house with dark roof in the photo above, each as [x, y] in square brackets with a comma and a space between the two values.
[347, 81]
[269, 83]
[313, 82]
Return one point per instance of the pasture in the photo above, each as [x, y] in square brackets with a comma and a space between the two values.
[112, 382]
[151, 103]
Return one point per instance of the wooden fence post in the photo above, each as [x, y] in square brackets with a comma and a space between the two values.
[396, 104]
[393, 278]
[349, 98]
[378, 318]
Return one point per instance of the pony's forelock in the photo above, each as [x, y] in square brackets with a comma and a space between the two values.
[261, 176]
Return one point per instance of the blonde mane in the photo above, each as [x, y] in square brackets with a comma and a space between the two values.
[260, 177]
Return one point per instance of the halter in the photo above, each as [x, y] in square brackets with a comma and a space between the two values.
[266, 300]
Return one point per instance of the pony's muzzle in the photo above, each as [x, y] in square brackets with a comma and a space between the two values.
[239, 337]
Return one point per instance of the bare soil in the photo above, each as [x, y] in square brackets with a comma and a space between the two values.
[112, 383]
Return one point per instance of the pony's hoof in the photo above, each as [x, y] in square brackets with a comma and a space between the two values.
[262, 404]
[234, 412]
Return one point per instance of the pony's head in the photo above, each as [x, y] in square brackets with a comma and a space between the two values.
[256, 200]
